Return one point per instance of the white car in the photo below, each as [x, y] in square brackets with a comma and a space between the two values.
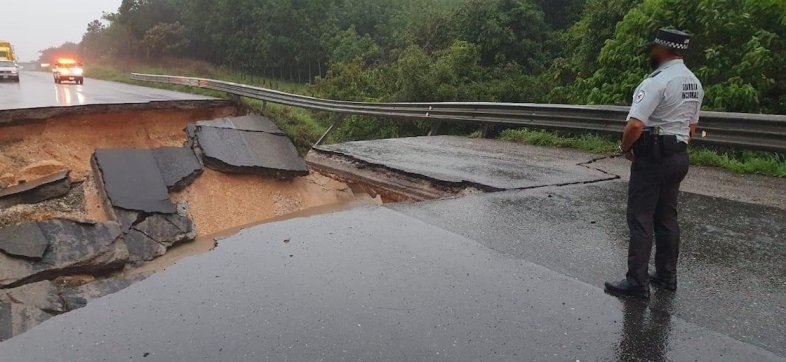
[9, 70]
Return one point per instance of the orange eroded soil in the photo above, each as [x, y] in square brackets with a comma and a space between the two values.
[216, 201]
[72, 140]
[219, 201]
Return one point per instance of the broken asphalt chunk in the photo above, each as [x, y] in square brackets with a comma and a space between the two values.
[151, 237]
[179, 166]
[253, 123]
[23, 240]
[249, 152]
[132, 180]
[74, 247]
[41, 189]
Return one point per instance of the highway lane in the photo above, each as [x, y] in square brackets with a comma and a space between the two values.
[371, 284]
[38, 90]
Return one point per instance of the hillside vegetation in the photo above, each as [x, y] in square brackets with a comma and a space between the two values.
[549, 51]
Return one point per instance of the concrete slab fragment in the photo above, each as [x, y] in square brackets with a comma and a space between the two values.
[255, 123]
[132, 180]
[37, 190]
[236, 151]
[24, 240]
[179, 166]
[480, 163]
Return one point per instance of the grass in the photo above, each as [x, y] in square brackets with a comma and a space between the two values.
[587, 142]
[745, 162]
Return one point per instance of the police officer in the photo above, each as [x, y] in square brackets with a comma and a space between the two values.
[661, 122]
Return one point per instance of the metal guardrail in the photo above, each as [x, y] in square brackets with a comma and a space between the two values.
[730, 130]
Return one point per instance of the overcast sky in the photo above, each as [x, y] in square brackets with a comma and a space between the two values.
[33, 25]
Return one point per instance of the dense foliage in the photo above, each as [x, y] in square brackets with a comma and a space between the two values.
[562, 51]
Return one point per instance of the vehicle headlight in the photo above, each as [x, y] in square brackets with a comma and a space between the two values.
[78, 71]
[14, 71]
[64, 71]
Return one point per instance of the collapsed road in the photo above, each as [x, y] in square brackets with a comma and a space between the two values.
[506, 275]
[501, 259]
[91, 200]
[503, 275]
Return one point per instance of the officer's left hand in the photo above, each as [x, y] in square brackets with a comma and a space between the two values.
[629, 156]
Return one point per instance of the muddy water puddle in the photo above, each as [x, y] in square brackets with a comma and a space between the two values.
[205, 243]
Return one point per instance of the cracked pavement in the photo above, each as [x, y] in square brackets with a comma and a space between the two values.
[511, 275]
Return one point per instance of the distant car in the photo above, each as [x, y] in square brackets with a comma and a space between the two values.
[68, 70]
[9, 70]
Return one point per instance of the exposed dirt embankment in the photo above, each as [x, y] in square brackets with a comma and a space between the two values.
[217, 201]
[73, 139]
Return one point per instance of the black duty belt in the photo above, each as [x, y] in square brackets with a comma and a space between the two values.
[654, 145]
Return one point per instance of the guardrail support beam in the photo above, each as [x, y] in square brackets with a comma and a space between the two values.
[488, 131]
[434, 128]
[330, 129]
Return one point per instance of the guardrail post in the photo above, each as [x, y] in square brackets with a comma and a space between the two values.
[264, 106]
[488, 131]
[235, 98]
[330, 129]
[434, 128]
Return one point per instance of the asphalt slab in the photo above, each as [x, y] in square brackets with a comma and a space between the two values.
[481, 163]
[132, 180]
[238, 151]
[179, 166]
[367, 284]
[251, 122]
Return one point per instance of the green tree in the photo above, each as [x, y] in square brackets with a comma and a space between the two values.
[738, 52]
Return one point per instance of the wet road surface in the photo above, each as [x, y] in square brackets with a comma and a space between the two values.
[732, 270]
[474, 162]
[514, 275]
[37, 89]
[368, 284]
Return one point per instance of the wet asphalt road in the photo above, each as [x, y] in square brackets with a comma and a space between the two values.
[370, 285]
[473, 162]
[515, 275]
[37, 89]
[732, 269]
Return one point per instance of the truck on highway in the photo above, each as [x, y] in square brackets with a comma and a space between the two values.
[7, 51]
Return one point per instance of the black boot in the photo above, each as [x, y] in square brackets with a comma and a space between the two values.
[625, 288]
[663, 283]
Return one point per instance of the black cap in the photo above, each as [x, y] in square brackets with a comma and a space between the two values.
[675, 40]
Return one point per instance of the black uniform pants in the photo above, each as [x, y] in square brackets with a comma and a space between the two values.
[652, 209]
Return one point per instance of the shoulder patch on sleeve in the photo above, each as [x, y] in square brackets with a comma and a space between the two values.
[640, 96]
